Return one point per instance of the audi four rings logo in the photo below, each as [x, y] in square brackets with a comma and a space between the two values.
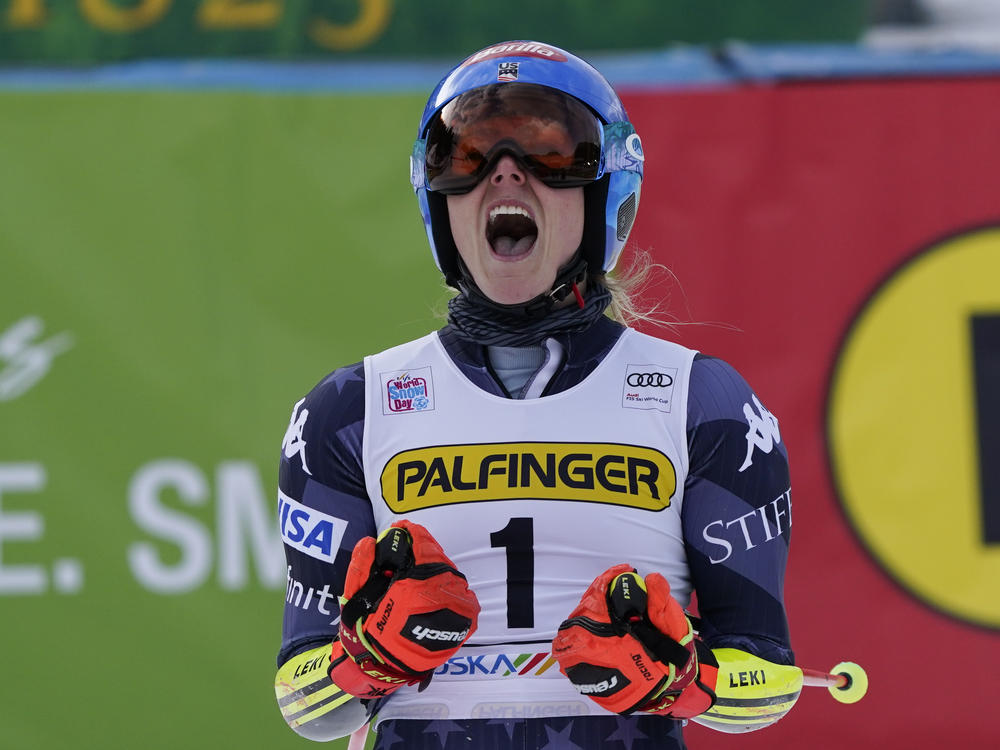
[654, 379]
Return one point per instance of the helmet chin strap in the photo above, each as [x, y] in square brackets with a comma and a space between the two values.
[568, 281]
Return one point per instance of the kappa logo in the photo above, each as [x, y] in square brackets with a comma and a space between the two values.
[763, 433]
[293, 443]
[507, 71]
[407, 391]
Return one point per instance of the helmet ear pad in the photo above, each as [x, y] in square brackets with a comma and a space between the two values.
[442, 240]
[595, 198]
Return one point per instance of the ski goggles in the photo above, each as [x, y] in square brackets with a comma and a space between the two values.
[553, 135]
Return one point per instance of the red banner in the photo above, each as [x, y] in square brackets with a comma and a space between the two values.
[834, 242]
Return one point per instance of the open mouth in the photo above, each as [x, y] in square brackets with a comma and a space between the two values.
[511, 231]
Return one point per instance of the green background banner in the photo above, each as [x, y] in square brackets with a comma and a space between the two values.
[177, 270]
[87, 31]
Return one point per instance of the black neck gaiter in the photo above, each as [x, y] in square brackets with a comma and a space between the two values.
[478, 323]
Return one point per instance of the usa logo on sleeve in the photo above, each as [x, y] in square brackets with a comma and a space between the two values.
[309, 530]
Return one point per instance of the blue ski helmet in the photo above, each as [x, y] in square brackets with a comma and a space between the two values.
[610, 200]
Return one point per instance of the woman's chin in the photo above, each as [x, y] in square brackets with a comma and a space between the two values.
[511, 294]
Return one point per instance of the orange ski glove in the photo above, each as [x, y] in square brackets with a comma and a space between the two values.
[405, 610]
[630, 647]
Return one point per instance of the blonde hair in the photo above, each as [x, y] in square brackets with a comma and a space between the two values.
[626, 285]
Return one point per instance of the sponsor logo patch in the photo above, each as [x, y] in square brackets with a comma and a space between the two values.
[386, 611]
[498, 665]
[507, 71]
[407, 391]
[747, 679]
[748, 531]
[305, 597]
[643, 670]
[311, 665]
[427, 711]
[648, 387]
[308, 530]
[532, 710]
[439, 630]
[589, 679]
[612, 473]
[517, 49]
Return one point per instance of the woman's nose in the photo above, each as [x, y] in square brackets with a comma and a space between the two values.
[507, 170]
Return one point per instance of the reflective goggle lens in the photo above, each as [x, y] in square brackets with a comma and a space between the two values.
[554, 136]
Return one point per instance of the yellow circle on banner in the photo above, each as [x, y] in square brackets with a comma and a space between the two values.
[905, 425]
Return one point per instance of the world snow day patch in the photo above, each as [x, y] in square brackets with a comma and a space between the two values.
[407, 391]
